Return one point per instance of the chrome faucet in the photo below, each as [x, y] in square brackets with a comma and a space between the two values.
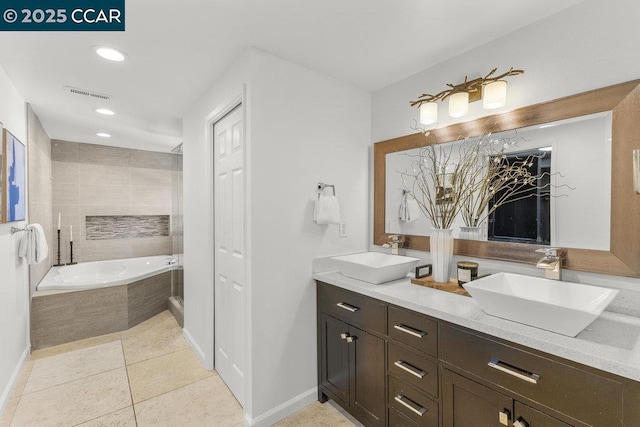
[551, 263]
[394, 243]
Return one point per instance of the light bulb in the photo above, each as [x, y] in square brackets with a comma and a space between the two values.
[428, 113]
[494, 95]
[459, 104]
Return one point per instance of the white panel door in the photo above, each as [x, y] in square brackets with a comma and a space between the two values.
[230, 307]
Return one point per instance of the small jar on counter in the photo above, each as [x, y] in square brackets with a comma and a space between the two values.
[467, 271]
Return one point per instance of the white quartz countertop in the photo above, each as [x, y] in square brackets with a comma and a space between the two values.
[611, 343]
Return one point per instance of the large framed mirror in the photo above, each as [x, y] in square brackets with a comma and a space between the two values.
[619, 107]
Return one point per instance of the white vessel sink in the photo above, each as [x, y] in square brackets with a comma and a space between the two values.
[374, 267]
[562, 307]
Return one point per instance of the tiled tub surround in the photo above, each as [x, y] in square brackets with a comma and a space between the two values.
[96, 180]
[611, 343]
[63, 316]
[126, 226]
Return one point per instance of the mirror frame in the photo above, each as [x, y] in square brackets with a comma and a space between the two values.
[623, 257]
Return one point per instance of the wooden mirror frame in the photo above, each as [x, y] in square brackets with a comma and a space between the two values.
[623, 100]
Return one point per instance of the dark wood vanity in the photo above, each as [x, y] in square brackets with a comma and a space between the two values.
[390, 366]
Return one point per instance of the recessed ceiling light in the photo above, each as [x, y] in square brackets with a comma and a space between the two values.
[104, 111]
[103, 135]
[110, 54]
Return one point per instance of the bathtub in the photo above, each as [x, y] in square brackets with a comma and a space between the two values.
[101, 274]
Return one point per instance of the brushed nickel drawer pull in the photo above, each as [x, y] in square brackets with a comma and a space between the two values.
[410, 368]
[495, 363]
[348, 307]
[409, 330]
[400, 398]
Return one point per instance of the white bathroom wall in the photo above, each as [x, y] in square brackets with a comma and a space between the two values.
[587, 46]
[301, 128]
[14, 284]
[198, 208]
[306, 128]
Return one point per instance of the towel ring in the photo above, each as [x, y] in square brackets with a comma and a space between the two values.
[322, 186]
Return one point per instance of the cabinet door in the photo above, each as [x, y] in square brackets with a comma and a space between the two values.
[334, 358]
[526, 416]
[367, 380]
[466, 403]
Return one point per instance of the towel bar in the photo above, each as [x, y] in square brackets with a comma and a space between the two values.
[15, 230]
[322, 186]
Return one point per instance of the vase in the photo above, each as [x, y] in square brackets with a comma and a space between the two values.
[471, 233]
[441, 243]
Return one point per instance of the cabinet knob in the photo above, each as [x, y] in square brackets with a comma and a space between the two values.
[344, 336]
[351, 339]
[520, 422]
[504, 417]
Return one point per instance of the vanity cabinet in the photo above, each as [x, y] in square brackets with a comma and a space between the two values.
[351, 359]
[390, 366]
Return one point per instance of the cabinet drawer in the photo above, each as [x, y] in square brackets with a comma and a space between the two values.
[353, 308]
[413, 404]
[413, 329]
[413, 368]
[396, 419]
[582, 395]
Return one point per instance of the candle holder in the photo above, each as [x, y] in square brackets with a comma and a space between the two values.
[71, 254]
[59, 263]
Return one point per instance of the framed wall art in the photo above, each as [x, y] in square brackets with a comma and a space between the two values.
[14, 178]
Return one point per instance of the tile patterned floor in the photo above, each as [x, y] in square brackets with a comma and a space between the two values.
[146, 376]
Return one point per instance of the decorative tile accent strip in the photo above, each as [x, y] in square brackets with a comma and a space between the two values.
[126, 226]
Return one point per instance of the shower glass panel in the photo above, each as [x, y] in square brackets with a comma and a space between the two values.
[177, 281]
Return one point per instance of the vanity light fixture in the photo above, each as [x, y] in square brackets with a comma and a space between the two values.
[104, 111]
[103, 135]
[110, 53]
[491, 89]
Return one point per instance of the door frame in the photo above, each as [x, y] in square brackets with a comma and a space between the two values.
[240, 100]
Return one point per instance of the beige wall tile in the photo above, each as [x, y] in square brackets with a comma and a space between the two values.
[150, 210]
[65, 172]
[151, 196]
[104, 175]
[65, 151]
[52, 318]
[105, 195]
[66, 193]
[151, 159]
[149, 246]
[104, 155]
[98, 210]
[97, 250]
[100, 311]
[146, 177]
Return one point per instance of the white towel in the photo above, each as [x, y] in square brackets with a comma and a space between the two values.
[33, 245]
[413, 210]
[327, 210]
[409, 210]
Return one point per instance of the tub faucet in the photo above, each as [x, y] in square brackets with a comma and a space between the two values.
[551, 263]
[171, 261]
[394, 243]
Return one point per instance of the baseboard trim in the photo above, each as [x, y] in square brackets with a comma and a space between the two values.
[196, 348]
[282, 411]
[6, 394]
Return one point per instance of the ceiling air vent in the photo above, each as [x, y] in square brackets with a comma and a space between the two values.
[85, 92]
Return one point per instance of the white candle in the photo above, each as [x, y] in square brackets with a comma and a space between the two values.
[71, 233]
[59, 217]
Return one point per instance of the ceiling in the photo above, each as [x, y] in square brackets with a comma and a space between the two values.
[176, 50]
